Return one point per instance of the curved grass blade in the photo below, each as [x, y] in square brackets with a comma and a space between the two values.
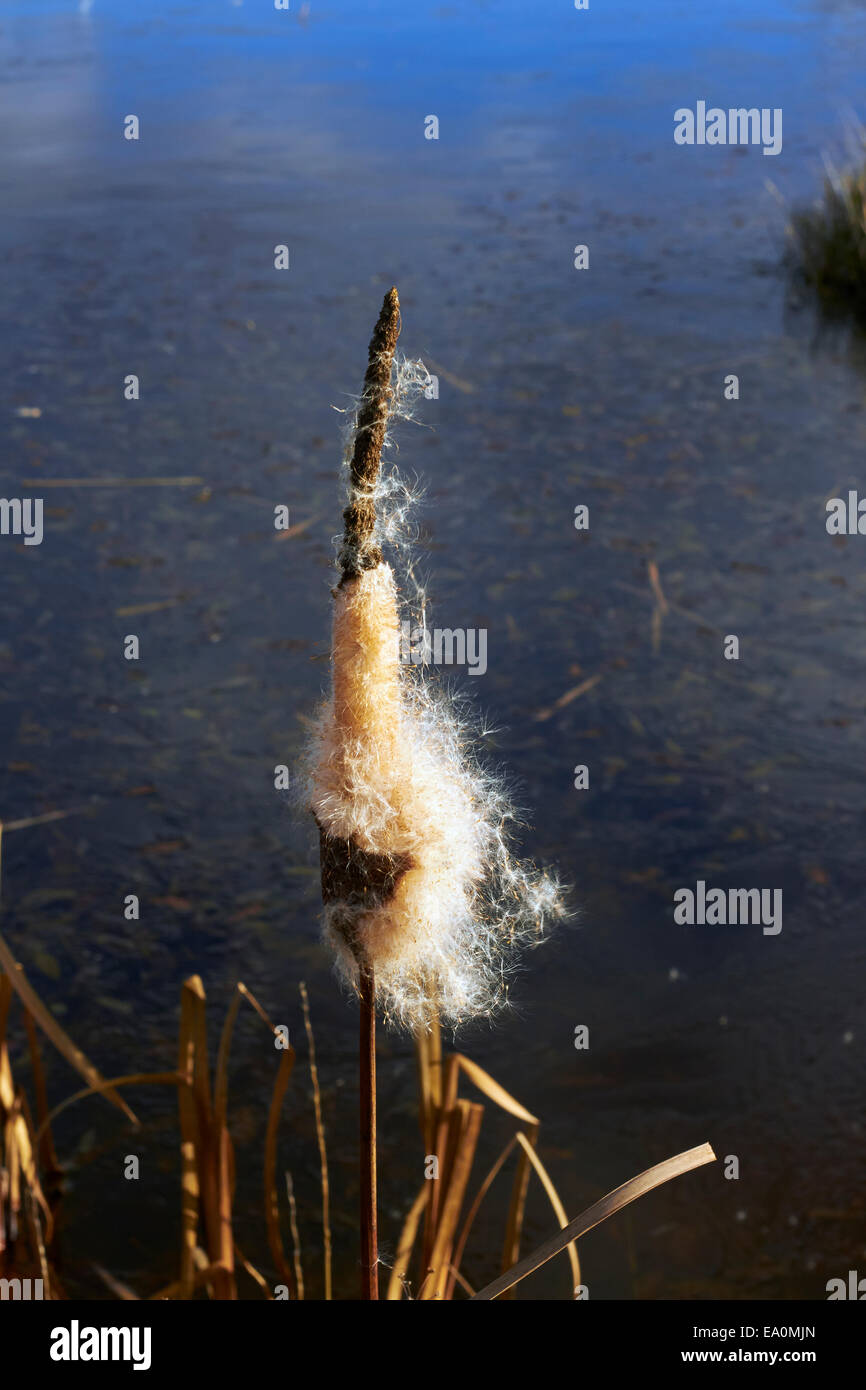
[599, 1211]
[553, 1198]
[52, 1030]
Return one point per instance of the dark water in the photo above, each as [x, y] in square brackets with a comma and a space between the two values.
[557, 387]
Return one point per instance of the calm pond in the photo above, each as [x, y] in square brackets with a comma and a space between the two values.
[557, 388]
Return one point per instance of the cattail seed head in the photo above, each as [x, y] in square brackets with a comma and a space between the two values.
[418, 880]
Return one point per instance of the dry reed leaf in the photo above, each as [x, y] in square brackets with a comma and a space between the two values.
[135, 1078]
[406, 1244]
[296, 1236]
[44, 819]
[26, 1145]
[466, 1125]
[553, 1198]
[464, 1283]
[7, 1085]
[224, 1242]
[47, 1153]
[132, 610]
[39, 1245]
[428, 1052]
[253, 1272]
[493, 1091]
[221, 1080]
[13, 1171]
[189, 1142]
[211, 1150]
[434, 1061]
[272, 1210]
[251, 998]
[517, 1206]
[425, 1101]
[323, 1151]
[566, 699]
[479, 1198]
[445, 1128]
[52, 1030]
[598, 1212]
[655, 585]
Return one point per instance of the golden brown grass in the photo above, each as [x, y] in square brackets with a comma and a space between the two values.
[433, 1242]
[430, 1253]
[830, 243]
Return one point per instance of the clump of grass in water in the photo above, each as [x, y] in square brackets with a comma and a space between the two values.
[829, 239]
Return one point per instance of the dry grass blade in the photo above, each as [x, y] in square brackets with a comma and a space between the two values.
[466, 1124]
[38, 1243]
[479, 1198]
[212, 1151]
[272, 1210]
[425, 1102]
[573, 694]
[497, 1093]
[251, 998]
[52, 1030]
[12, 1174]
[553, 1198]
[46, 819]
[517, 1206]
[323, 1152]
[253, 1272]
[135, 1078]
[189, 1143]
[464, 1283]
[408, 1236]
[221, 1076]
[600, 1211]
[445, 1126]
[225, 1175]
[50, 1027]
[296, 1236]
[27, 1146]
[47, 1153]
[428, 1052]
[656, 586]
[225, 1248]
[7, 1086]
[493, 1091]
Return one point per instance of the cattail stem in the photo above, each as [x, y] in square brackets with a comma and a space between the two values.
[367, 1086]
[345, 871]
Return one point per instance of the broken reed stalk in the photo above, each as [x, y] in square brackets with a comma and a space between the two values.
[347, 874]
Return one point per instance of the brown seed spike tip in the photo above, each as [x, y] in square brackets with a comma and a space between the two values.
[360, 551]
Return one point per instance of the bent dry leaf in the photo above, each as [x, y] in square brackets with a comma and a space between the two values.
[599, 1211]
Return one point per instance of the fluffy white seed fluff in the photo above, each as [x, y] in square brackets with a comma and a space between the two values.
[393, 768]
